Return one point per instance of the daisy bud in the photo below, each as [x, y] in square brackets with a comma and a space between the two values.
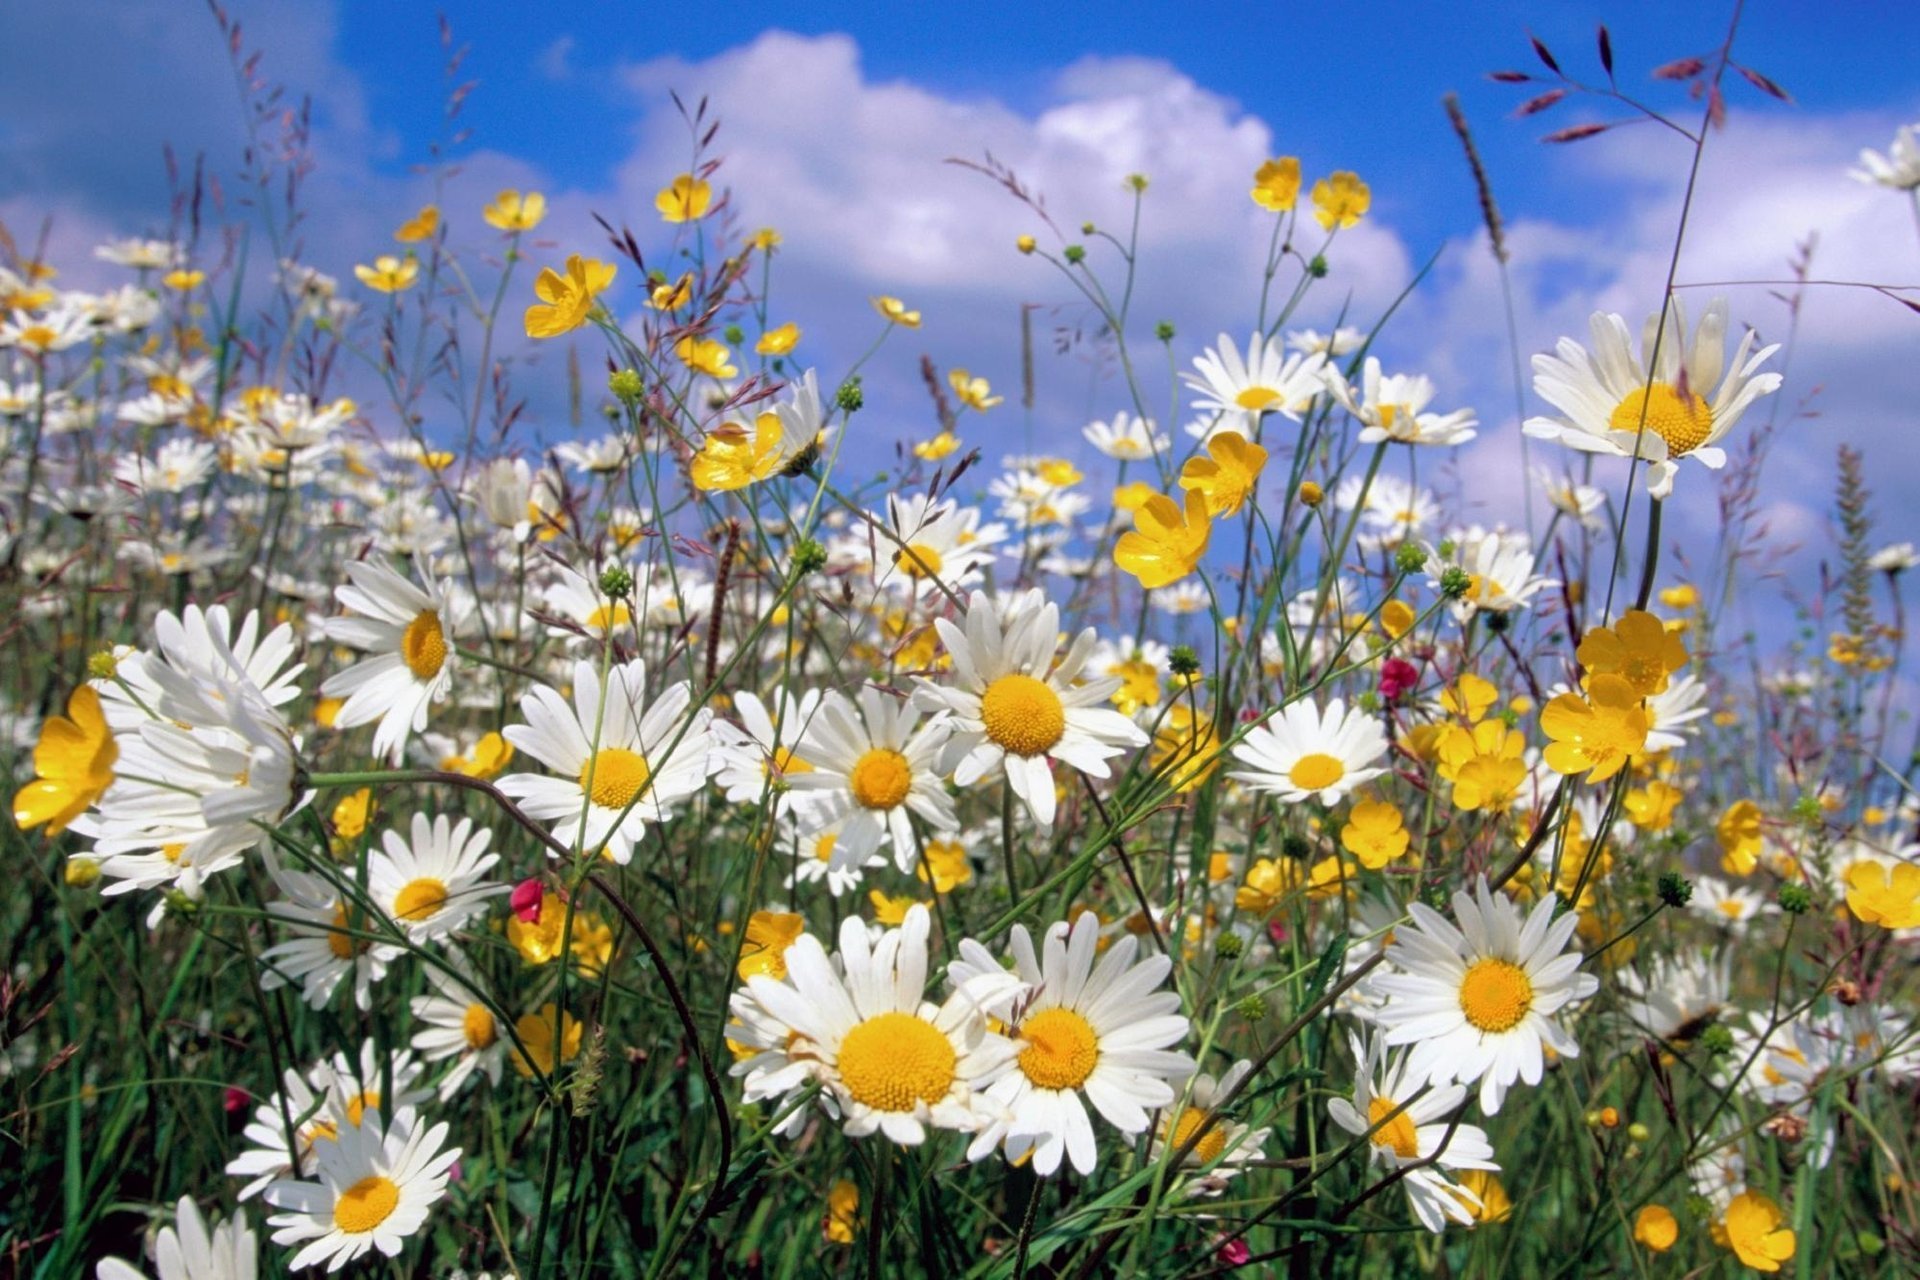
[1675, 889]
[1795, 898]
[1183, 661]
[616, 581]
[526, 901]
[626, 385]
[1717, 1040]
[1137, 181]
[1086, 228]
[1252, 1008]
[1228, 946]
[809, 557]
[100, 666]
[849, 397]
[1164, 331]
[1455, 582]
[1318, 267]
[1410, 558]
[1075, 254]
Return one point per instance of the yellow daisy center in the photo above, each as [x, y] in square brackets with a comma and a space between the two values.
[1683, 422]
[365, 1205]
[823, 847]
[895, 1061]
[608, 617]
[918, 560]
[1495, 995]
[1211, 1143]
[1731, 908]
[613, 776]
[785, 763]
[339, 941]
[1061, 1051]
[1256, 398]
[478, 1028]
[420, 899]
[423, 645]
[880, 779]
[1023, 715]
[1316, 770]
[358, 1104]
[172, 852]
[1397, 1133]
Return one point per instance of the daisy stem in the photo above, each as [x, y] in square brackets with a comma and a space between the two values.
[1651, 557]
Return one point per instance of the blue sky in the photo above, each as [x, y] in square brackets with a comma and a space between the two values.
[838, 117]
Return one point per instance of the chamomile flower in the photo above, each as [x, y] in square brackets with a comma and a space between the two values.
[1413, 1129]
[1228, 1146]
[811, 854]
[1657, 405]
[1394, 408]
[373, 1188]
[435, 882]
[1015, 710]
[624, 762]
[764, 748]
[1679, 996]
[1304, 753]
[458, 1026]
[1082, 1033]
[1899, 168]
[577, 598]
[1238, 392]
[873, 765]
[1125, 438]
[1729, 906]
[409, 629]
[1499, 565]
[1476, 1002]
[933, 545]
[886, 1058]
[189, 1251]
[326, 939]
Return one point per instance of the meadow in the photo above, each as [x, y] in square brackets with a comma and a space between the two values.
[750, 838]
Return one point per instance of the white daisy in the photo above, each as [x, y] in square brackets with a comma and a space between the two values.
[577, 598]
[1672, 711]
[1477, 1001]
[1013, 709]
[1583, 502]
[1126, 438]
[624, 763]
[460, 1027]
[1099, 1031]
[1729, 906]
[1394, 408]
[1304, 753]
[764, 748]
[1342, 341]
[871, 768]
[434, 883]
[1679, 997]
[1227, 1145]
[409, 629]
[188, 1251]
[1237, 392]
[1499, 566]
[933, 544]
[887, 1059]
[1609, 399]
[1899, 169]
[813, 860]
[373, 1189]
[324, 939]
[1420, 1131]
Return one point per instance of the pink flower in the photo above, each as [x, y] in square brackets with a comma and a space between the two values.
[235, 1099]
[1397, 677]
[526, 900]
[1234, 1252]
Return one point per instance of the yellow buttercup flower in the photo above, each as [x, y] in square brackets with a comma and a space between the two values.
[706, 355]
[514, 211]
[1340, 200]
[1228, 475]
[1738, 834]
[1651, 807]
[769, 934]
[1888, 896]
[1470, 696]
[896, 312]
[1684, 596]
[1026, 244]
[778, 341]
[941, 446]
[1656, 1228]
[766, 240]
[420, 226]
[685, 199]
[1276, 184]
[1485, 764]
[1752, 1230]
[1186, 748]
[1266, 885]
[551, 1037]
[946, 865]
[1397, 618]
[388, 274]
[352, 813]
[973, 392]
[891, 910]
[1598, 733]
[1638, 648]
[568, 300]
[843, 1213]
[731, 457]
[1375, 834]
[671, 296]
[539, 941]
[1164, 545]
[72, 765]
[490, 755]
[1495, 1205]
[184, 278]
[1131, 497]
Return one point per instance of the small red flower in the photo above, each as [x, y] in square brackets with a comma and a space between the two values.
[526, 899]
[235, 1099]
[1234, 1253]
[1397, 677]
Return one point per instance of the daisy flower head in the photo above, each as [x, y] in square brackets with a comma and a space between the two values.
[409, 629]
[434, 882]
[1304, 753]
[189, 1251]
[324, 940]
[932, 545]
[1226, 1145]
[1731, 907]
[887, 1059]
[1236, 392]
[1014, 709]
[1476, 1002]
[1412, 1128]
[1082, 1033]
[811, 854]
[456, 1025]
[623, 762]
[1679, 399]
[1499, 566]
[1126, 438]
[1899, 168]
[873, 765]
[374, 1186]
[764, 748]
[1395, 408]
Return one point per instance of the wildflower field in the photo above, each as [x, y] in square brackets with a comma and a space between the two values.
[729, 830]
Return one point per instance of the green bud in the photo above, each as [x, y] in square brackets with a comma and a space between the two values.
[1183, 661]
[1410, 557]
[1297, 847]
[179, 904]
[1228, 946]
[1795, 899]
[616, 582]
[1675, 890]
[101, 665]
[850, 397]
[1252, 1008]
[1318, 267]
[1455, 582]
[1164, 331]
[1086, 228]
[1700, 1209]
[1367, 700]
[1435, 896]
[809, 557]
[626, 385]
[1717, 1041]
[1807, 810]
[1075, 254]
[734, 334]
[1137, 181]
